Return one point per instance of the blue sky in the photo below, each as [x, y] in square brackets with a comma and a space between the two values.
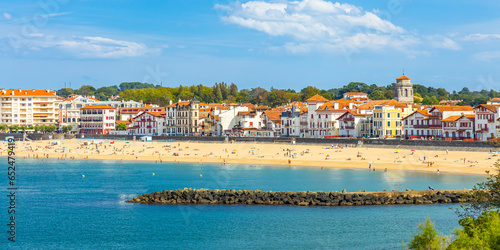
[280, 44]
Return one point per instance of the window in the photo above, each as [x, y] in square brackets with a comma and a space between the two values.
[388, 124]
[388, 115]
[399, 115]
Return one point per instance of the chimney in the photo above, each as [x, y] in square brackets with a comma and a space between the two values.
[351, 105]
[336, 105]
[12, 92]
[170, 102]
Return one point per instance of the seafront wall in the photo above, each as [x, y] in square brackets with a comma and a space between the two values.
[257, 197]
[390, 143]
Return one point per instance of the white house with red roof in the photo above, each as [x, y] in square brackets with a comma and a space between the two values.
[486, 116]
[97, 119]
[350, 124]
[356, 96]
[149, 123]
[458, 127]
[416, 125]
[440, 112]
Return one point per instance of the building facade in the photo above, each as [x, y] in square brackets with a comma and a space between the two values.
[97, 119]
[403, 90]
[29, 107]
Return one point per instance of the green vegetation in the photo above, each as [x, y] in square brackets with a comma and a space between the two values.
[428, 237]
[223, 92]
[480, 221]
[66, 128]
[121, 126]
[45, 128]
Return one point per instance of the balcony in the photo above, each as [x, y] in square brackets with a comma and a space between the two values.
[435, 117]
[421, 126]
[434, 125]
[349, 127]
[350, 119]
[491, 120]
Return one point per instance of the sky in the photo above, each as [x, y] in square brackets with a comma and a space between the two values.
[48, 44]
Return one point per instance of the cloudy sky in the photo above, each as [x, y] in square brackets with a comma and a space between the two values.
[274, 43]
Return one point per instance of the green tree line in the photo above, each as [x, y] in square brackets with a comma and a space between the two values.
[224, 92]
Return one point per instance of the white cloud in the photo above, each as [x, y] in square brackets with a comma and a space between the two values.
[7, 16]
[318, 24]
[87, 46]
[480, 37]
[323, 25]
[442, 42]
[487, 56]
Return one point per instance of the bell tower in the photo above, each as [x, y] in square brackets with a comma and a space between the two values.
[403, 90]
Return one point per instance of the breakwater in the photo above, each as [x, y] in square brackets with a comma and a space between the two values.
[302, 198]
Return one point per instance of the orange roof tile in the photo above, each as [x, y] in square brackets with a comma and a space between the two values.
[403, 77]
[157, 114]
[442, 108]
[317, 98]
[21, 92]
[123, 121]
[369, 105]
[491, 107]
[451, 118]
[262, 108]
[354, 93]
[274, 115]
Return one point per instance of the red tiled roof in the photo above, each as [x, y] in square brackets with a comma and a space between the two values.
[274, 115]
[403, 77]
[442, 108]
[317, 98]
[21, 92]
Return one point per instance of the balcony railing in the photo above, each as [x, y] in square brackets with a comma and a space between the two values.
[435, 117]
[434, 125]
[421, 126]
[349, 127]
[351, 119]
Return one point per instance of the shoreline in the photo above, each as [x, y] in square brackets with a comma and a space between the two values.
[308, 156]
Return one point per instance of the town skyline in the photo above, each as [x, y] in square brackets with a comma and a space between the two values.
[103, 43]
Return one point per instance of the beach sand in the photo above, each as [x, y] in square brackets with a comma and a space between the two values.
[314, 156]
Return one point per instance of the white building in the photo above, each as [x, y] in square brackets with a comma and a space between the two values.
[486, 116]
[149, 123]
[440, 112]
[351, 125]
[226, 119]
[97, 119]
[458, 127]
[69, 110]
[416, 125]
[29, 107]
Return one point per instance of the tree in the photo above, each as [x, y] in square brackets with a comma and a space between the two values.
[67, 128]
[14, 128]
[121, 126]
[23, 128]
[309, 91]
[3, 127]
[485, 196]
[51, 128]
[428, 237]
[480, 233]
[86, 90]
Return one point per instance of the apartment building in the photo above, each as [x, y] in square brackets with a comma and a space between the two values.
[97, 119]
[29, 107]
[486, 121]
[387, 121]
[69, 110]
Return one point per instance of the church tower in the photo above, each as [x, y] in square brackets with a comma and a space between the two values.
[403, 90]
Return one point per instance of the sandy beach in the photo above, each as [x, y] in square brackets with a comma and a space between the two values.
[317, 156]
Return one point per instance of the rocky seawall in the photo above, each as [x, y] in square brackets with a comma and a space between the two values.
[303, 198]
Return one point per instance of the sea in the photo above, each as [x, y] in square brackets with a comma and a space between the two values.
[81, 204]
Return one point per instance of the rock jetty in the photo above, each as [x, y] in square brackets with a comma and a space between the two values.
[303, 198]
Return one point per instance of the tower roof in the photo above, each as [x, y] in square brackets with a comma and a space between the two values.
[403, 77]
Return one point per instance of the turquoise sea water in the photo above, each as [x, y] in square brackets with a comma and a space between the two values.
[58, 208]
